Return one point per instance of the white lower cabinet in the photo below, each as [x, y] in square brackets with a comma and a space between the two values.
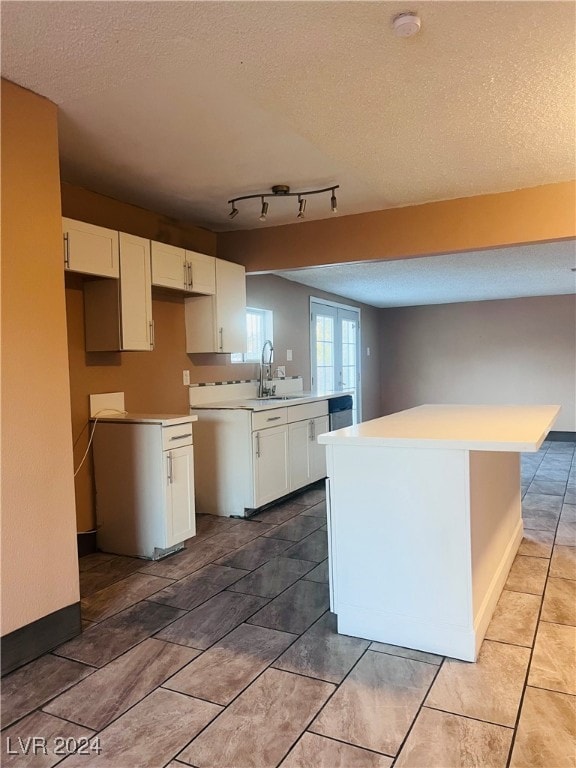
[307, 457]
[271, 476]
[144, 474]
[247, 459]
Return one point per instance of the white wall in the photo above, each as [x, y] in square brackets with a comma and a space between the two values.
[515, 351]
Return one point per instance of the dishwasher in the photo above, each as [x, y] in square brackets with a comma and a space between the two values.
[340, 412]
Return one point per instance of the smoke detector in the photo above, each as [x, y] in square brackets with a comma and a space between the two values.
[406, 24]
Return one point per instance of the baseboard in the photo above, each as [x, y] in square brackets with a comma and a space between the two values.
[561, 437]
[29, 642]
[86, 543]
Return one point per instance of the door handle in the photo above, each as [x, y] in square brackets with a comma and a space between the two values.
[66, 251]
[170, 468]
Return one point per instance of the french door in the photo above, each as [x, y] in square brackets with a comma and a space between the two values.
[335, 350]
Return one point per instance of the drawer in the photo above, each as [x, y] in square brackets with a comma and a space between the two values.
[176, 436]
[307, 411]
[270, 418]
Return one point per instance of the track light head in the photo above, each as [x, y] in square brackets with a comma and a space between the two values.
[301, 207]
[264, 210]
[334, 202]
[234, 212]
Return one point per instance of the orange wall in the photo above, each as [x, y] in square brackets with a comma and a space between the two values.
[39, 560]
[487, 221]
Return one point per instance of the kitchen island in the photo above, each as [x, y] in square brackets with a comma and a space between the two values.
[425, 520]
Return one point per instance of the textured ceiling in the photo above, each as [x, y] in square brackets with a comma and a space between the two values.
[179, 106]
[530, 270]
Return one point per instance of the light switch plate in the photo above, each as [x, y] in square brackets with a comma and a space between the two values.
[186, 378]
[288, 355]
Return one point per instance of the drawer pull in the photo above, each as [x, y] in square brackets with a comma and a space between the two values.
[179, 437]
[273, 418]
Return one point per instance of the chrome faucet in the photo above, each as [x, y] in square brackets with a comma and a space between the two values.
[264, 390]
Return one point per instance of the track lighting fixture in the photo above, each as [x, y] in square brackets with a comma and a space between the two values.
[282, 190]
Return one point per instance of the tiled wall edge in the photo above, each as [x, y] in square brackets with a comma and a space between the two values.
[235, 381]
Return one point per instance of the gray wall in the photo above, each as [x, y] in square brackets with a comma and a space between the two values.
[513, 351]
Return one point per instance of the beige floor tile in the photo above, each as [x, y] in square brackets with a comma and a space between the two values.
[320, 752]
[261, 725]
[546, 736]
[43, 726]
[563, 563]
[150, 734]
[384, 693]
[537, 543]
[224, 670]
[559, 604]
[120, 595]
[439, 739]
[528, 574]
[109, 692]
[566, 533]
[407, 653]
[553, 662]
[515, 618]
[489, 689]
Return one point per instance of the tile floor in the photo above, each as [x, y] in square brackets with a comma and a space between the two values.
[225, 656]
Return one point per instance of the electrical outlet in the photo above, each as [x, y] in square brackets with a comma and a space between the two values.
[367, 351]
[281, 372]
[288, 355]
[186, 378]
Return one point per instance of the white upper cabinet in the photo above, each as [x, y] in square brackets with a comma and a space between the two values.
[182, 270]
[201, 273]
[169, 268]
[137, 326]
[118, 313]
[90, 249]
[218, 323]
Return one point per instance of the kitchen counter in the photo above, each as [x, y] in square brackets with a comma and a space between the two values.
[266, 403]
[469, 427]
[425, 521]
[164, 419]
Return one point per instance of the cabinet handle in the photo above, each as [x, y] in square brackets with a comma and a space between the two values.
[310, 435]
[257, 445]
[190, 275]
[151, 334]
[273, 418]
[170, 475]
[313, 425]
[221, 331]
[179, 437]
[186, 275]
[66, 251]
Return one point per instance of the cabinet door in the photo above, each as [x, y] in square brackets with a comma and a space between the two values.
[230, 306]
[317, 452]
[201, 273]
[300, 433]
[169, 267]
[135, 293]
[270, 454]
[90, 249]
[180, 511]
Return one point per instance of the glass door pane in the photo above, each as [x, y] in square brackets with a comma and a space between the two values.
[334, 343]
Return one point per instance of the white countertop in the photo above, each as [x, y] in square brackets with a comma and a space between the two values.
[164, 419]
[263, 404]
[464, 427]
